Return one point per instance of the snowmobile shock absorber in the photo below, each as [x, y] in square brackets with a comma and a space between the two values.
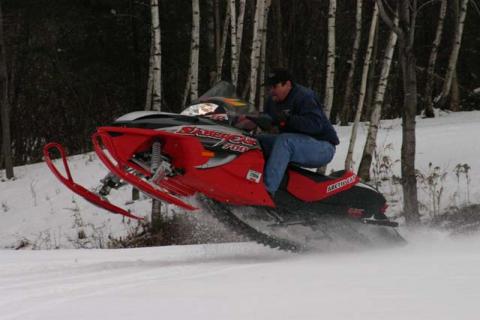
[156, 160]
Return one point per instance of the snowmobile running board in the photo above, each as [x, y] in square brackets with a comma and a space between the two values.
[68, 181]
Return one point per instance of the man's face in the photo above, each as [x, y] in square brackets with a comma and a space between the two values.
[280, 91]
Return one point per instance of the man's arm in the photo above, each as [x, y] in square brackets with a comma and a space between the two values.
[308, 117]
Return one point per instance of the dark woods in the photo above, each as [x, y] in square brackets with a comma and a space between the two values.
[73, 65]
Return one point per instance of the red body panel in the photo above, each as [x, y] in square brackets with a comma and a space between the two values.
[226, 183]
[238, 181]
[308, 190]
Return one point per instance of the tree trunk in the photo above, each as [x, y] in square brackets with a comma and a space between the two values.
[223, 43]
[455, 94]
[233, 43]
[452, 62]
[157, 58]
[256, 51]
[347, 100]
[367, 109]
[406, 37]
[195, 48]
[432, 61]
[371, 144]
[148, 95]
[237, 39]
[363, 87]
[330, 79]
[263, 54]
[240, 23]
[5, 105]
[156, 93]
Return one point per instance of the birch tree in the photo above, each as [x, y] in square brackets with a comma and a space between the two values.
[5, 105]
[148, 96]
[353, 62]
[452, 62]
[195, 48]
[363, 87]
[371, 143]
[154, 93]
[264, 53]
[256, 50]
[240, 24]
[157, 58]
[222, 44]
[330, 79]
[432, 61]
[233, 42]
[406, 36]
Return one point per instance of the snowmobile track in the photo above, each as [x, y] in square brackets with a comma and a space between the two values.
[227, 218]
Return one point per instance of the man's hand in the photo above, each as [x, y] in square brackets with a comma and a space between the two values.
[245, 123]
[282, 118]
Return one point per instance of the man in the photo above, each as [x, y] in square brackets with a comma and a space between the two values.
[306, 137]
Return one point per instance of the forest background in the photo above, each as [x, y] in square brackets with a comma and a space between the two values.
[69, 66]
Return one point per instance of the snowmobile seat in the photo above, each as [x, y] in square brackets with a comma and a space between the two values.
[311, 186]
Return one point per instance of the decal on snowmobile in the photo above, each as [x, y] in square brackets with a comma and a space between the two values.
[253, 175]
[229, 141]
[341, 183]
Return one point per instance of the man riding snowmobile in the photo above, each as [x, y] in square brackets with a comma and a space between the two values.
[171, 157]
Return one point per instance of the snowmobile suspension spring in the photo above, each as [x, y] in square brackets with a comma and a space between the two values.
[156, 155]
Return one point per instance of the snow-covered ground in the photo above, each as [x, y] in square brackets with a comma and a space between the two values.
[435, 276]
[426, 280]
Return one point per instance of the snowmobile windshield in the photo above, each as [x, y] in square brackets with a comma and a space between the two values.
[219, 104]
[217, 108]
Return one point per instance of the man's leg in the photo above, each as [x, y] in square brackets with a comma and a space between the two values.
[298, 148]
[267, 141]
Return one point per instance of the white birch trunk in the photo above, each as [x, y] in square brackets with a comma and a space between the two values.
[263, 54]
[157, 58]
[353, 63]
[370, 145]
[433, 59]
[240, 23]
[233, 42]
[330, 80]
[195, 48]
[156, 91]
[255, 54]
[148, 96]
[452, 62]
[221, 52]
[363, 87]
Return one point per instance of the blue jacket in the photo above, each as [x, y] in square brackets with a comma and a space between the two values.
[304, 114]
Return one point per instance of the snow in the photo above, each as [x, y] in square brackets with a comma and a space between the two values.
[435, 276]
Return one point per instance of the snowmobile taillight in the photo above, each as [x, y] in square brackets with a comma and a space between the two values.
[208, 154]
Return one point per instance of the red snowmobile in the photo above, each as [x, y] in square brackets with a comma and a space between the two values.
[171, 157]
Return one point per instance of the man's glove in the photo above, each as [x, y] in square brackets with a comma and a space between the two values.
[245, 123]
[263, 121]
[282, 118]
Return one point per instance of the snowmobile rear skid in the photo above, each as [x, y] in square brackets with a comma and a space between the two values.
[171, 157]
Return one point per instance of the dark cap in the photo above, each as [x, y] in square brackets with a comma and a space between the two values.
[278, 75]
